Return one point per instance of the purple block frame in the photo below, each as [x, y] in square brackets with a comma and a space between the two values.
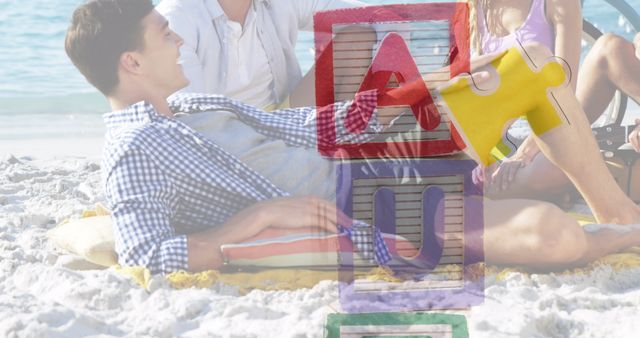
[472, 292]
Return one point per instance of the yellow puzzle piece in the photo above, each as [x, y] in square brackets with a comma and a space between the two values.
[524, 90]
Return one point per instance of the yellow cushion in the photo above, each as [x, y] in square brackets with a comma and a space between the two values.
[91, 238]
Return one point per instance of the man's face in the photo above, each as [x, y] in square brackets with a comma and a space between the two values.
[159, 57]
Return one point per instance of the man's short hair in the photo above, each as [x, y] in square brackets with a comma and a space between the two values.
[100, 31]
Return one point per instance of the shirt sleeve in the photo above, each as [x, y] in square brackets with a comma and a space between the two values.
[299, 127]
[308, 126]
[142, 199]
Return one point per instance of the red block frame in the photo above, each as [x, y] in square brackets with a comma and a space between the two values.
[457, 13]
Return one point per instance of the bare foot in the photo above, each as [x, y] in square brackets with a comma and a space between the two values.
[605, 239]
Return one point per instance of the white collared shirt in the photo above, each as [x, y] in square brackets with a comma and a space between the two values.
[205, 55]
[248, 76]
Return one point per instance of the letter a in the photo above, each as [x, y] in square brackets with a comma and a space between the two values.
[394, 59]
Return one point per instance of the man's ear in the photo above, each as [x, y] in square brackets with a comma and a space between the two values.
[129, 62]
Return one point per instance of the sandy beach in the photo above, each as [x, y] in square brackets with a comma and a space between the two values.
[51, 138]
[42, 295]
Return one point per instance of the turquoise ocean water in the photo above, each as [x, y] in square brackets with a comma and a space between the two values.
[43, 96]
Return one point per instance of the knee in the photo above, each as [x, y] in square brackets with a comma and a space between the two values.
[558, 240]
[609, 42]
[607, 45]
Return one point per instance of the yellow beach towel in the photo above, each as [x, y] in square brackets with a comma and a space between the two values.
[268, 280]
[291, 279]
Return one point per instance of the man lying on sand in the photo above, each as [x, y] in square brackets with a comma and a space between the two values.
[177, 194]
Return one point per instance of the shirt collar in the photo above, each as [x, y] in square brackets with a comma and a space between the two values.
[138, 113]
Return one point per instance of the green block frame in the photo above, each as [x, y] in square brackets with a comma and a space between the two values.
[337, 320]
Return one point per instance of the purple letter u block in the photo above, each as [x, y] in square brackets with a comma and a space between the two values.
[431, 217]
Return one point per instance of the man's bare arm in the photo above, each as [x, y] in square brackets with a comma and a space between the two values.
[312, 213]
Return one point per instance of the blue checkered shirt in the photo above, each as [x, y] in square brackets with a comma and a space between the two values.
[164, 180]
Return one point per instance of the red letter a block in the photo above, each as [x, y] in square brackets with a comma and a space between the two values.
[411, 41]
[394, 59]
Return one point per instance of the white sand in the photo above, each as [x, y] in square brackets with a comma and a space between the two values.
[51, 147]
[39, 297]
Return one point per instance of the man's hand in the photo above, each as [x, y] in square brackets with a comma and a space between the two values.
[289, 212]
[634, 137]
[303, 212]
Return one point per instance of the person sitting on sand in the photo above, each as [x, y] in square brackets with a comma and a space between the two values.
[611, 64]
[177, 194]
[245, 49]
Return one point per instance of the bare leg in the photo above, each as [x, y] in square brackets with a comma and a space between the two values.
[572, 147]
[539, 235]
[541, 179]
[611, 64]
